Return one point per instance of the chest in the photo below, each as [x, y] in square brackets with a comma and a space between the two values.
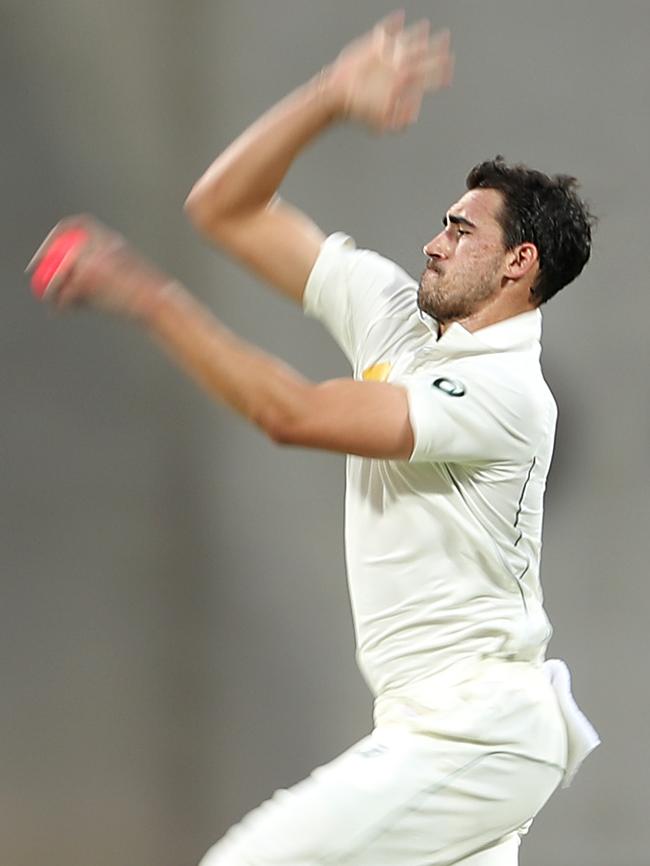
[394, 351]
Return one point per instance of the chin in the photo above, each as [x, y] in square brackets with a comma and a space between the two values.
[433, 310]
[441, 311]
[424, 302]
[430, 304]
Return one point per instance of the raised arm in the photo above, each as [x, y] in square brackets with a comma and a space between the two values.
[379, 80]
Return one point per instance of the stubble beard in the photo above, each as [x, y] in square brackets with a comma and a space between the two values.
[451, 297]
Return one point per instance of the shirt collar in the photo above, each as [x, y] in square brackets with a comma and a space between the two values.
[516, 332]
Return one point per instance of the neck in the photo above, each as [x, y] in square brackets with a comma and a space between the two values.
[491, 311]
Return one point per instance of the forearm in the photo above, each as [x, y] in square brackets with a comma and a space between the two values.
[247, 175]
[378, 80]
[257, 386]
[370, 419]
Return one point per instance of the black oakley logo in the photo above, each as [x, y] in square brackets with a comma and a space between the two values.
[449, 386]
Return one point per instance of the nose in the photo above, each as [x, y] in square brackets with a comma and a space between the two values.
[436, 247]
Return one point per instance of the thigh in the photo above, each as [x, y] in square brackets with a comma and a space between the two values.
[394, 799]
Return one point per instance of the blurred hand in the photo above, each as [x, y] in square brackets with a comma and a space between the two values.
[382, 77]
[104, 272]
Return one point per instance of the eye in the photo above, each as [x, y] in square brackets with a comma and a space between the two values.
[461, 232]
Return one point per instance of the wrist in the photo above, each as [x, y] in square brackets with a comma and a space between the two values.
[154, 299]
[332, 94]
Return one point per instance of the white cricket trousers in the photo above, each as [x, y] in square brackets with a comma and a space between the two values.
[453, 773]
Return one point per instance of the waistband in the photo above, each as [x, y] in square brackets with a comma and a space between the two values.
[470, 669]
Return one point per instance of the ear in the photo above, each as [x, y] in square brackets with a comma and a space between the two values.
[522, 261]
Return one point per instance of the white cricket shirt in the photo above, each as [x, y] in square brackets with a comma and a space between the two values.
[443, 550]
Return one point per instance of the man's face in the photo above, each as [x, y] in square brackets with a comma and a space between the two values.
[466, 261]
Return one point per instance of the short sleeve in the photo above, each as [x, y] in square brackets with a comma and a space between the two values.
[349, 289]
[465, 418]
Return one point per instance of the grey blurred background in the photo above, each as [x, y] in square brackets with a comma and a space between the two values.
[175, 639]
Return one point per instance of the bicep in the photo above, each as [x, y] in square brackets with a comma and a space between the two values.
[278, 243]
[369, 419]
[400, 422]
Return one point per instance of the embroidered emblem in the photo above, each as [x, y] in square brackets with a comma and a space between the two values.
[452, 387]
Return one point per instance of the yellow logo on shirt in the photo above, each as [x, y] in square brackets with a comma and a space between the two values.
[378, 372]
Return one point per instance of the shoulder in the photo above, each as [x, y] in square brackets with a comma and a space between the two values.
[362, 270]
[480, 408]
[514, 381]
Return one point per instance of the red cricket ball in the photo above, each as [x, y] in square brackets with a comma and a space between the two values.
[59, 249]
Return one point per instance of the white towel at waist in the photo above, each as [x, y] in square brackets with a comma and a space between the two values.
[582, 738]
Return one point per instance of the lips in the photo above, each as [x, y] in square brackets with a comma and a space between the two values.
[432, 265]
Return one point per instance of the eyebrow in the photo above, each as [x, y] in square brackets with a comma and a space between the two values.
[457, 220]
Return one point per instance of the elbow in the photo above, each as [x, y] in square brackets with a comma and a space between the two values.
[279, 428]
[208, 206]
[286, 422]
[199, 209]
[208, 210]
[191, 205]
[282, 406]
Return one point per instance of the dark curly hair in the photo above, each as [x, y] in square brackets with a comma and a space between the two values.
[542, 210]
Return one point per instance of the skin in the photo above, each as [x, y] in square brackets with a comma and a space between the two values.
[470, 277]
[378, 80]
